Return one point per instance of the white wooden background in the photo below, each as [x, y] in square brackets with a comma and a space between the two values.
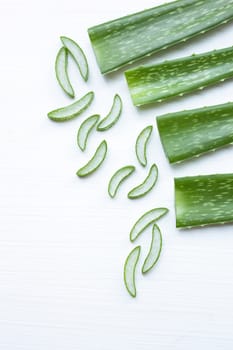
[62, 240]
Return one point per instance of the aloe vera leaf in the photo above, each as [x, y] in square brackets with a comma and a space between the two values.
[78, 55]
[156, 83]
[113, 116]
[84, 130]
[145, 220]
[95, 162]
[147, 185]
[73, 110]
[204, 200]
[61, 72]
[118, 177]
[155, 250]
[141, 144]
[127, 39]
[130, 269]
[190, 133]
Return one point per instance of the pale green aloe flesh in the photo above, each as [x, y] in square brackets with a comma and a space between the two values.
[73, 110]
[155, 250]
[113, 116]
[127, 39]
[147, 185]
[95, 162]
[204, 200]
[190, 133]
[84, 130]
[145, 220]
[77, 54]
[130, 269]
[141, 144]
[118, 177]
[61, 72]
[156, 83]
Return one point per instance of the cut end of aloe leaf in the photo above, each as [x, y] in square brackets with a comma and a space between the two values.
[118, 177]
[203, 200]
[130, 269]
[113, 116]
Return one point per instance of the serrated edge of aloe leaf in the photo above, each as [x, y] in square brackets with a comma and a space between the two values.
[144, 271]
[64, 76]
[131, 193]
[134, 292]
[52, 114]
[100, 151]
[131, 169]
[142, 217]
[105, 120]
[84, 76]
[92, 121]
[139, 139]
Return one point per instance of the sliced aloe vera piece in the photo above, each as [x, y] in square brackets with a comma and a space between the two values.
[190, 133]
[112, 116]
[85, 129]
[141, 144]
[118, 177]
[147, 185]
[71, 111]
[145, 220]
[155, 250]
[204, 200]
[95, 162]
[164, 80]
[61, 72]
[129, 270]
[77, 54]
[127, 39]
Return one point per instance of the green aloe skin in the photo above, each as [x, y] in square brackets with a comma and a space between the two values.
[149, 84]
[190, 133]
[127, 39]
[204, 200]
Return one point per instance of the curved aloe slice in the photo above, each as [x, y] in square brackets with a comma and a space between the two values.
[129, 270]
[155, 250]
[161, 81]
[145, 220]
[85, 129]
[190, 133]
[127, 39]
[77, 54]
[118, 177]
[112, 116]
[61, 72]
[73, 110]
[147, 185]
[141, 144]
[95, 162]
[204, 200]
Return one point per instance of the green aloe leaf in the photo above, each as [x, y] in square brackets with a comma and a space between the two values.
[127, 39]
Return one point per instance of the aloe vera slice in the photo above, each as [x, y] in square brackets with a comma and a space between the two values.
[164, 80]
[77, 54]
[147, 185]
[155, 250]
[118, 177]
[145, 220]
[95, 162]
[190, 133]
[73, 110]
[204, 200]
[127, 39]
[85, 129]
[141, 145]
[129, 270]
[112, 116]
[61, 72]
